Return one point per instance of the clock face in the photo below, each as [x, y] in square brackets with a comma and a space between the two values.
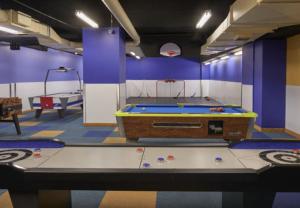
[170, 50]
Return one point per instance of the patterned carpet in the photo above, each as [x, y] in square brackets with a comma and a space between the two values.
[70, 130]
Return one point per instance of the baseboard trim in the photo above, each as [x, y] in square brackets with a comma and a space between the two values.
[99, 124]
[276, 130]
[296, 135]
[27, 111]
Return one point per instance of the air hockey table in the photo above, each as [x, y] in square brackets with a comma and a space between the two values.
[59, 102]
[184, 121]
[248, 173]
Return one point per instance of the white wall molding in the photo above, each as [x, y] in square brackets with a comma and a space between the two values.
[247, 97]
[100, 103]
[292, 117]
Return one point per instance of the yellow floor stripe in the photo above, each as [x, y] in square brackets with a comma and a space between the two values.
[5, 201]
[128, 199]
[29, 123]
[114, 140]
[49, 133]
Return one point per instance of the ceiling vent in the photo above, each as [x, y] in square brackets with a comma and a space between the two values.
[250, 19]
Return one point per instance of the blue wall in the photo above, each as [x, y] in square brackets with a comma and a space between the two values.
[227, 70]
[205, 69]
[248, 64]
[29, 65]
[160, 68]
[270, 83]
[104, 56]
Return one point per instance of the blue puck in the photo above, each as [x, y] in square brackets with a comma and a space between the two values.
[218, 159]
[161, 159]
[146, 165]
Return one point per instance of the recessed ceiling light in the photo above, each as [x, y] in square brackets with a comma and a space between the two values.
[225, 57]
[238, 53]
[205, 17]
[9, 30]
[138, 57]
[86, 19]
[132, 53]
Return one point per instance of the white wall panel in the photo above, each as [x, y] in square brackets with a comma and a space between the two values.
[141, 88]
[100, 103]
[192, 88]
[4, 90]
[122, 95]
[145, 88]
[247, 97]
[226, 92]
[205, 88]
[29, 89]
[292, 120]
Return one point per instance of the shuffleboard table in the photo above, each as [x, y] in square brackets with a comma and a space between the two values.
[249, 173]
[184, 121]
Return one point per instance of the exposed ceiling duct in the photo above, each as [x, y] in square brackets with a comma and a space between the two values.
[118, 12]
[250, 19]
[29, 27]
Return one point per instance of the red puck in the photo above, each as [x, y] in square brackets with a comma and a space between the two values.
[140, 149]
[171, 157]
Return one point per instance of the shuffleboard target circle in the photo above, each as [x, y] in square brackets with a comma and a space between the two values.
[280, 157]
[14, 155]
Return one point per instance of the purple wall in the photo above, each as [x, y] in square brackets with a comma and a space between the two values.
[205, 69]
[226, 70]
[161, 68]
[104, 56]
[29, 65]
[248, 64]
[270, 83]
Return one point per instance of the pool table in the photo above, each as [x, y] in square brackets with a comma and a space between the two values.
[184, 121]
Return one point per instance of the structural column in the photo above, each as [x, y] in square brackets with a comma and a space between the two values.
[269, 83]
[247, 76]
[104, 74]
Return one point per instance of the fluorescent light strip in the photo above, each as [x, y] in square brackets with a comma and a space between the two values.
[238, 53]
[86, 19]
[9, 30]
[132, 53]
[225, 57]
[207, 63]
[138, 57]
[205, 17]
[215, 61]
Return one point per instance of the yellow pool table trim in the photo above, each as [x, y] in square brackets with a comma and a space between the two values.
[120, 113]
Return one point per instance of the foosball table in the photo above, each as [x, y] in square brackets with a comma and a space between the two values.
[10, 108]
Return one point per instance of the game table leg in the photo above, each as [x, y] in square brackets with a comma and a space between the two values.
[41, 199]
[38, 113]
[24, 199]
[258, 199]
[132, 140]
[248, 199]
[232, 199]
[61, 113]
[17, 124]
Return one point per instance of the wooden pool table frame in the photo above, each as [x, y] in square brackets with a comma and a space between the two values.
[147, 125]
